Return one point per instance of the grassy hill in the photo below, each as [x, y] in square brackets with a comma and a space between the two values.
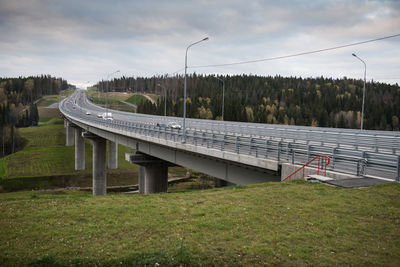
[290, 224]
[136, 99]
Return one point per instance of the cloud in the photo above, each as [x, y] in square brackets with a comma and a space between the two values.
[85, 40]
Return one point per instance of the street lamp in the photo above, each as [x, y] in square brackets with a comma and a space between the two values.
[363, 100]
[184, 91]
[165, 98]
[108, 85]
[223, 95]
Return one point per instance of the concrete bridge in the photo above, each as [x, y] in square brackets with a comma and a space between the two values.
[238, 153]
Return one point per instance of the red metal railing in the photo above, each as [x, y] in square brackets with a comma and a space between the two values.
[325, 164]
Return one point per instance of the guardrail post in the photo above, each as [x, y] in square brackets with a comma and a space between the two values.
[293, 154]
[398, 169]
[279, 150]
[287, 151]
[237, 144]
[203, 137]
[250, 145]
[364, 162]
[266, 148]
[333, 157]
[308, 152]
[223, 143]
[256, 147]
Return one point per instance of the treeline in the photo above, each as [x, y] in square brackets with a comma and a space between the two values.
[324, 102]
[18, 108]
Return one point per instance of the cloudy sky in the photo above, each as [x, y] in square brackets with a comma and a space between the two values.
[84, 41]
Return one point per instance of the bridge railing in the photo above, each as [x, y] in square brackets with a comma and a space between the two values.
[343, 159]
[320, 168]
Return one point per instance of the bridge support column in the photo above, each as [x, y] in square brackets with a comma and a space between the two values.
[155, 178]
[79, 150]
[69, 134]
[153, 173]
[99, 167]
[112, 155]
[141, 179]
[99, 172]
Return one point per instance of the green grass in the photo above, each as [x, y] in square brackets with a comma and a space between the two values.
[136, 99]
[46, 135]
[51, 161]
[290, 224]
[47, 100]
[46, 115]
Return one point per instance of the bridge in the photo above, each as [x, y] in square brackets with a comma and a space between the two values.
[235, 152]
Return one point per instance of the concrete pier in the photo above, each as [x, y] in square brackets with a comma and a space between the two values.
[99, 167]
[79, 150]
[156, 178]
[99, 171]
[112, 155]
[153, 173]
[69, 134]
[141, 179]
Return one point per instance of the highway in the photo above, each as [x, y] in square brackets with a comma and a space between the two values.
[369, 153]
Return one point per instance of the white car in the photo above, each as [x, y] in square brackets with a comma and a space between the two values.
[174, 125]
[88, 113]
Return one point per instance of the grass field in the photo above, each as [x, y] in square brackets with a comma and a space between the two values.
[289, 224]
[136, 99]
[47, 100]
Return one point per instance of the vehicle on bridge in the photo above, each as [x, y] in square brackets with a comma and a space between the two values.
[105, 116]
[174, 125]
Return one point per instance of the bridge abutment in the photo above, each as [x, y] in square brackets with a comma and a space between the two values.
[79, 150]
[112, 155]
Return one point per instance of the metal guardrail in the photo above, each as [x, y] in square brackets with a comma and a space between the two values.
[366, 140]
[345, 160]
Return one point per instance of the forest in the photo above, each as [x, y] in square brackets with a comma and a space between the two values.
[18, 107]
[323, 102]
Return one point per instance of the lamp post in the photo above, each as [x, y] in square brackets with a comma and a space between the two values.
[165, 98]
[184, 90]
[108, 85]
[363, 100]
[223, 95]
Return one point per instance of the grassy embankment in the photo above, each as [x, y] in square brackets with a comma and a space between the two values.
[114, 99]
[46, 162]
[291, 224]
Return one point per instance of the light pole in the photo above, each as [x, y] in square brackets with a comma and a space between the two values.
[223, 95]
[184, 90]
[363, 100]
[165, 98]
[108, 85]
